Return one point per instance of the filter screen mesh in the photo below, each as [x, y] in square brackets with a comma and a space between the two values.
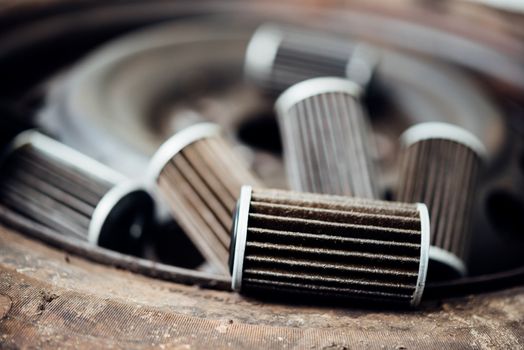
[201, 183]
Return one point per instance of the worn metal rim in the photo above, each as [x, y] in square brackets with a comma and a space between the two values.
[239, 238]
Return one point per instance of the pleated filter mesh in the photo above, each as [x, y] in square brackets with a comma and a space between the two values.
[332, 246]
[326, 139]
[297, 60]
[201, 183]
[51, 191]
[299, 55]
[442, 174]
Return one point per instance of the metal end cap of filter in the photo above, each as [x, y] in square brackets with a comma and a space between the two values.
[17, 141]
[174, 145]
[443, 131]
[239, 237]
[261, 51]
[424, 254]
[445, 264]
[312, 87]
[362, 65]
[121, 218]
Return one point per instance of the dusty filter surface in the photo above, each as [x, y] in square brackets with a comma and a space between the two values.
[280, 56]
[439, 166]
[199, 175]
[327, 139]
[62, 189]
[329, 246]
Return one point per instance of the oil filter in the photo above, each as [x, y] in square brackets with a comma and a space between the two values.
[280, 56]
[439, 166]
[326, 138]
[330, 246]
[60, 188]
[198, 175]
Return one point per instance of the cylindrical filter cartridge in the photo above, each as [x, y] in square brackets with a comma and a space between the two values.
[439, 166]
[60, 188]
[326, 138]
[278, 57]
[331, 246]
[199, 175]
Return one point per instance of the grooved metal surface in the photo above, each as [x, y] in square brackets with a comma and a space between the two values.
[355, 249]
[201, 184]
[327, 145]
[51, 191]
[442, 174]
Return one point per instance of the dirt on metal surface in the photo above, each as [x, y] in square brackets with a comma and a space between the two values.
[49, 299]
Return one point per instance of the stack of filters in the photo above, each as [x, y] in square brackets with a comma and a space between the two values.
[281, 56]
[54, 185]
[326, 138]
[332, 246]
[198, 174]
[439, 166]
[330, 236]
[333, 237]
